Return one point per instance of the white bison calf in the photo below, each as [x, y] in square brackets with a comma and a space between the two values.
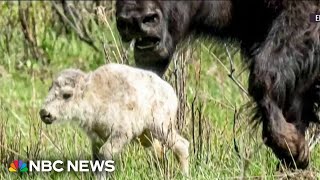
[116, 104]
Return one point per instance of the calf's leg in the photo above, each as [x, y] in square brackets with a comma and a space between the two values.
[179, 146]
[112, 147]
[147, 141]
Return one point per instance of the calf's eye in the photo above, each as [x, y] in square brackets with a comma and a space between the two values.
[66, 96]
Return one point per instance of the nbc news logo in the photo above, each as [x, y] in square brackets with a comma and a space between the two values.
[47, 166]
[315, 17]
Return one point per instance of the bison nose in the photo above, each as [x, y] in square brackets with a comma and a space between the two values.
[150, 19]
[45, 116]
[135, 26]
[124, 21]
[128, 27]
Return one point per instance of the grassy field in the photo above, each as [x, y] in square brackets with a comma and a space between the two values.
[31, 55]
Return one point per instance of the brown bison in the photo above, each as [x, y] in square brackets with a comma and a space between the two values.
[277, 38]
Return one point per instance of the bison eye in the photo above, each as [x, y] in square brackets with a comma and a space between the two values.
[66, 96]
[150, 18]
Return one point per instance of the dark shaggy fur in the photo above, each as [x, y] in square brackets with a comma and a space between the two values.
[277, 39]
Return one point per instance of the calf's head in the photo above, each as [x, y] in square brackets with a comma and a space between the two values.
[63, 96]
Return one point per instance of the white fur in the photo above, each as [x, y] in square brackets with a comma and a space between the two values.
[116, 104]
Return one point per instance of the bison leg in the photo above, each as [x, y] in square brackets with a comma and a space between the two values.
[285, 139]
[112, 147]
[179, 146]
[95, 146]
[148, 141]
[283, 129]
[283, 69]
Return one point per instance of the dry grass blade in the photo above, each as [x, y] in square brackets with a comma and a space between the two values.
[84, 36]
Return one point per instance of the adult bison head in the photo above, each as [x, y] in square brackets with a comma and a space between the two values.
[154, 33]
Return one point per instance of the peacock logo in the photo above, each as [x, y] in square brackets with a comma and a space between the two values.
[18, 166]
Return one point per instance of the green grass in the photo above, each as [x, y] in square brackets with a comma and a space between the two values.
[25, 81]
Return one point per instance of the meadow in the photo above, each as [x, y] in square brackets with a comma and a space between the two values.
[39, 39]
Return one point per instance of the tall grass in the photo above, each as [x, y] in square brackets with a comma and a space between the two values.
[38, 39]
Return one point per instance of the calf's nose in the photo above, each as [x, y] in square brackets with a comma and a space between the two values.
[45, 116]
